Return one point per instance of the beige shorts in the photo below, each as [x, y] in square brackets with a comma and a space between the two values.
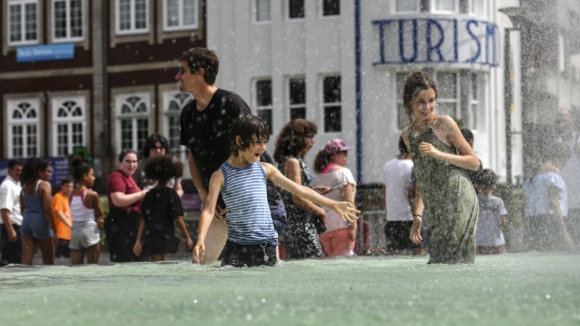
[84, 235]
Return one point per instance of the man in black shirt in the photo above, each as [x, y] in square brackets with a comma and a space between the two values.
[207, 120]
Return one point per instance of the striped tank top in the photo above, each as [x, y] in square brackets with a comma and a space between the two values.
[244, 192]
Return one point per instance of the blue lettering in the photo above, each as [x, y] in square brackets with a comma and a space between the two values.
[382, 24]
[490, 33]
[402, 42]
[430, 47]
[476, 56]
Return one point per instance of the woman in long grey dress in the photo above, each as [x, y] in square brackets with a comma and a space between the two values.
[441, 157]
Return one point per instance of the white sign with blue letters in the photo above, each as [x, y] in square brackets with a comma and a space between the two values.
[437, 40]
[45, 52]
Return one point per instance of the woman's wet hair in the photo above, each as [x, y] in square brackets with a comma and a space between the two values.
[31, 168]
[151, 142]
[251, 129]
[486, 179]
[415, 84]
[403, 150]
[125, 152]
[290, 141]
[322, 160]
[79, 168]
[163, 168]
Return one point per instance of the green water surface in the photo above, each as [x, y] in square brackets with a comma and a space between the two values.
[511, 289]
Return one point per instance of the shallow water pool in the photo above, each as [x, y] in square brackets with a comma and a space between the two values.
[511, 289]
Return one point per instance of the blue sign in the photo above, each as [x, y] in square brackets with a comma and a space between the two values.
[45, 52]
[437, 40]
[59, 169]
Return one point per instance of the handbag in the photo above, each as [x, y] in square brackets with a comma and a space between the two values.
[320, 227]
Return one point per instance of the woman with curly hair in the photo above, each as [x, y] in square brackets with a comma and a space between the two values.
[300, 239]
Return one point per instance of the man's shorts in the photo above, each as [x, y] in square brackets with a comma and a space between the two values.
[239, 255]
[397, 234]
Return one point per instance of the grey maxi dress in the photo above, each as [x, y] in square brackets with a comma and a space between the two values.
[450, 201]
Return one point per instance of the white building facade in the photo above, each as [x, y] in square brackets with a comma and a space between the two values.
[342, 64]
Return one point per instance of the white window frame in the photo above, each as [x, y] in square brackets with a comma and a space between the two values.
[321, 8]
[24, 123]
[69, 121]
[22, 4]
[121, 99]
[132, 30]
[180, 26]
[329, 104]
[255, 13]
[180, 99]
[264, 107]
[290, 106]
[475, 115]
[457, 99]
[418, 2]
[68, 38]
[434, 8]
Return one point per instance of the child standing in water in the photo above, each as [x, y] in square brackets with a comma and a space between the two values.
[161, 208]
[492, 216]
[252, 239]
[87, 215]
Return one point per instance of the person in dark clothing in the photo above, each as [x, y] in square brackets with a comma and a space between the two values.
[473, 175]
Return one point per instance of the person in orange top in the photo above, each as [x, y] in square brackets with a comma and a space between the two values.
[62, 216]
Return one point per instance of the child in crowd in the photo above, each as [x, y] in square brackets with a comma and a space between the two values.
[252, 239]
[62, 218]
[492, 216]
[161, 209]
[87, 215]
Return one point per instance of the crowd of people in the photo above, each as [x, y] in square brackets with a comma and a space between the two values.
[257, 209]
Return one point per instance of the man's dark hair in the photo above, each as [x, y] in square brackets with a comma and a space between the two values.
[250, 128]
[467, 134]
[202, 58]
[403, 150]
[14, 162]
[66, 180]
[150, 144]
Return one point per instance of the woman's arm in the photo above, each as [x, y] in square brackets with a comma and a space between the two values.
[21, 200]
[555, 206]
[344, 209]
[123, 200]
[45, 192]
[215, 186]
[292, 172]
[446, 129]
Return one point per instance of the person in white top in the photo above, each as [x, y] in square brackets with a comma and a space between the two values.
[340, 236]
[492, 216]
[398, 195]
[87, 215]
[569, 131]
[11, 221]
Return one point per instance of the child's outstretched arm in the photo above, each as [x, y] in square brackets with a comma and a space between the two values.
[215, 185]
[137, 249]
[344, 209]
[183, 229]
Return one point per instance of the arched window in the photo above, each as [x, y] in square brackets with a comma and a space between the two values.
[133, 120]
[173, 104]
[68, 124]
[23, 128]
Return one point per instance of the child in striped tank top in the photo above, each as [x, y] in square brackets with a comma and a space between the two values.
[252, 239]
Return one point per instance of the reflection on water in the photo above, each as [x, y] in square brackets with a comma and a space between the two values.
[527, 288]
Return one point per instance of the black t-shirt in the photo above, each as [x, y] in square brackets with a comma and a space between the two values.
[160, 208]
[207, 133]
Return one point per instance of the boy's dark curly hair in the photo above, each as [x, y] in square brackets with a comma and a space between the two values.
[163, 167]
